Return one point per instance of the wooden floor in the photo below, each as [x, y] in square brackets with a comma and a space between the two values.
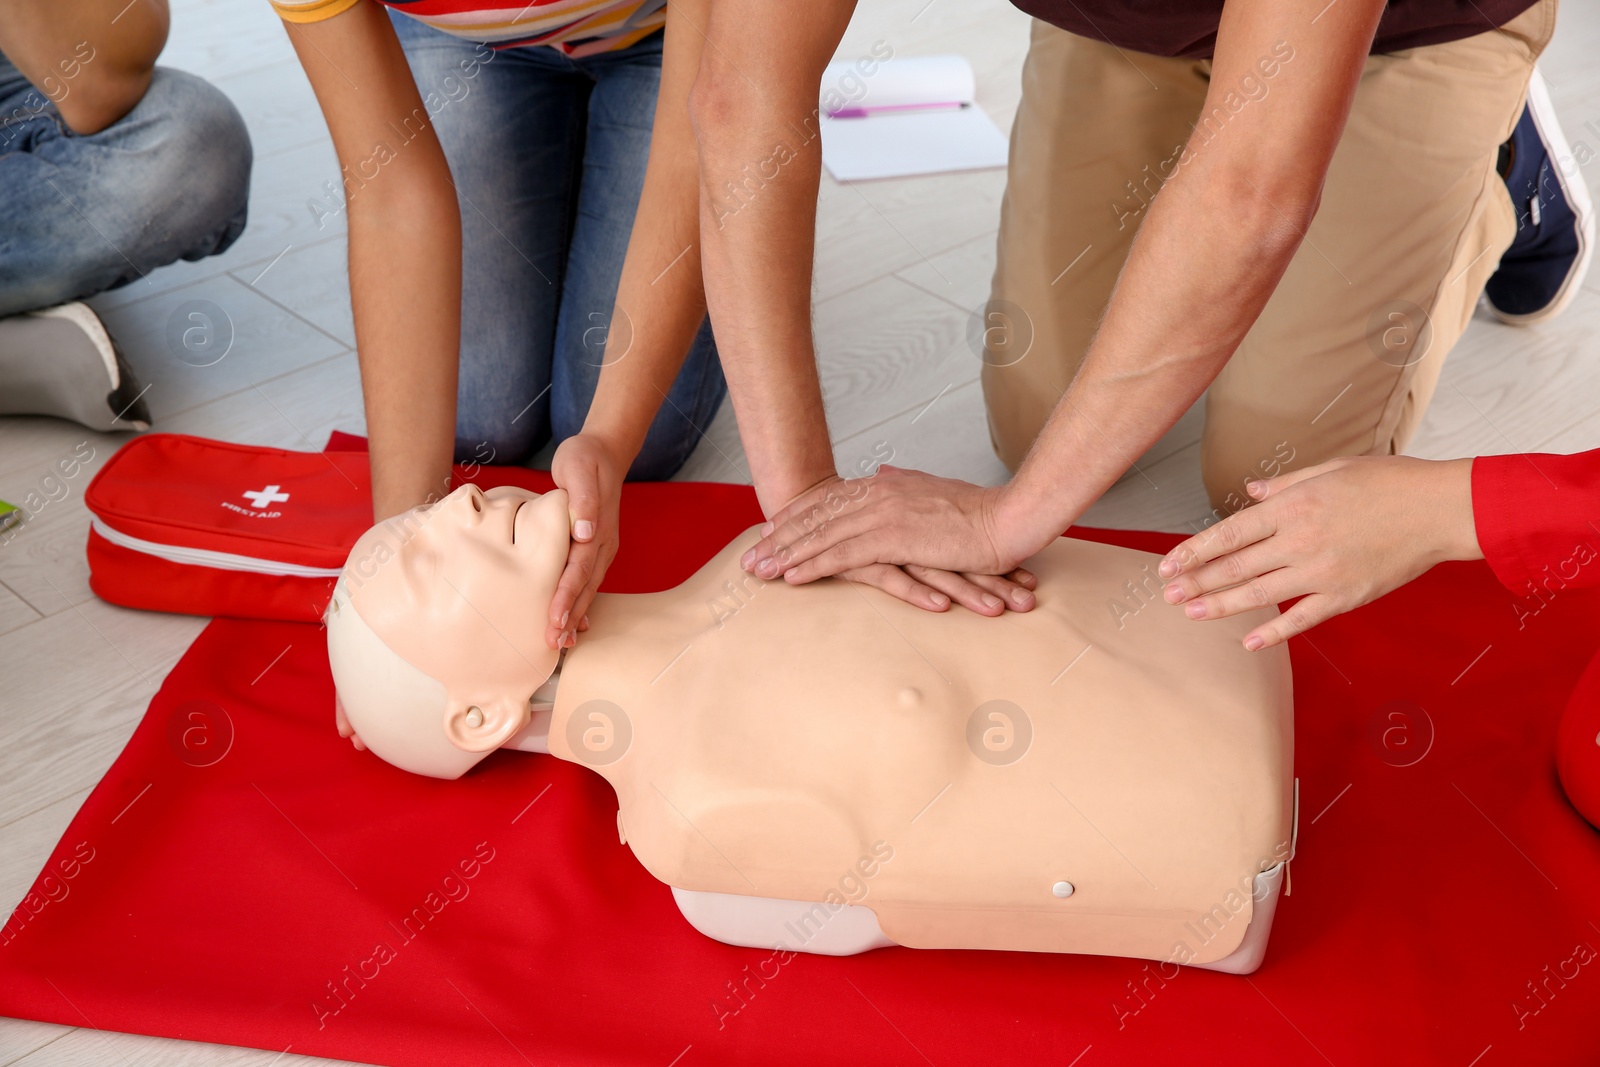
[901, 267]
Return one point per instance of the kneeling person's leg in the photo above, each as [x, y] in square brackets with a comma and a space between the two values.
[1345, 357]
[511, 125]
[621, 114]
[170, 180]
[1097, 132]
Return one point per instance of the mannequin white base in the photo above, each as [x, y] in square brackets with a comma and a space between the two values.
[806, 926]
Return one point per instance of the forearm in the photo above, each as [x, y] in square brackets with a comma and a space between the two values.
[405, 250]
[1213, 246]
[1203, 267]
[660, 298]
[92, 58]
[760, 166]
[660, 306]
[759, 243]
[408, 336]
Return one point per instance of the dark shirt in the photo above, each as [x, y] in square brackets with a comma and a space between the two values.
[1189, 27]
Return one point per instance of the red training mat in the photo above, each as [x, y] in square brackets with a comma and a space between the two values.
[240, 863]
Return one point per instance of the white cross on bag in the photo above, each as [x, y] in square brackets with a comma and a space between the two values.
[260, 498]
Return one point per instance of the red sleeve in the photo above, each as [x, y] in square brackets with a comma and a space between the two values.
[1538, 519]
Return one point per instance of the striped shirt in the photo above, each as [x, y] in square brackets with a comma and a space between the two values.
[577, 27]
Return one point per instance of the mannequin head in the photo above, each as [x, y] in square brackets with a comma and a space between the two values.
[436, 626]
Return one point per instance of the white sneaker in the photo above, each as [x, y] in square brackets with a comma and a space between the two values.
[60, 361]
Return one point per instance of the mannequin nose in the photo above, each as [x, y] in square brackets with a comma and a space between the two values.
[466, 502]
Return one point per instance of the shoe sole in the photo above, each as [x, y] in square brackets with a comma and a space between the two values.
[1577, 194]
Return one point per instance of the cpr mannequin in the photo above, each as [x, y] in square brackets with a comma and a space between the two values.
[824, 768]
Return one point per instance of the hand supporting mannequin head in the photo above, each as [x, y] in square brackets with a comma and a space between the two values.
[436, 627]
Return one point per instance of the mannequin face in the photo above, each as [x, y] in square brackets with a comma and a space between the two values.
[456, 592]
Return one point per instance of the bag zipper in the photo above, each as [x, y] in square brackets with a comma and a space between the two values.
[204, 557]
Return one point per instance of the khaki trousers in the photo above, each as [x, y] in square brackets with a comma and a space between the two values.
[1347, 352]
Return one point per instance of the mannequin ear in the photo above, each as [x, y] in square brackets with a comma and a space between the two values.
[484, 726]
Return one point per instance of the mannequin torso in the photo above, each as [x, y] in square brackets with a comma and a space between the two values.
[765, 739]
[1097, 775]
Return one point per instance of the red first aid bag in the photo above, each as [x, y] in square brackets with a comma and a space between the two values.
[201, 527]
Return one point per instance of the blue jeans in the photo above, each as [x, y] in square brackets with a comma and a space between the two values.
[548, 155]
[83, 214]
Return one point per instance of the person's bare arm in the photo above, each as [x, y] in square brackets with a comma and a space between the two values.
[405, 250]
[92, 58]
[1207, 259]
[661, 301]
[754, 108]
[762, 273]
[660, 305]
[1211, 250]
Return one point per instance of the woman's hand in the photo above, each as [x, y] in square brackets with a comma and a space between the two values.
[1339, 535]
[592, 476]
[939, 531]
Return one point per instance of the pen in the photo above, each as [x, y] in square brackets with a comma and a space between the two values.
[863, 112]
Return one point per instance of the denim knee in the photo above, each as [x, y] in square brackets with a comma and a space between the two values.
[169, 180]
[177, 167]
[499, 435]
[202, 160]
[660, 464]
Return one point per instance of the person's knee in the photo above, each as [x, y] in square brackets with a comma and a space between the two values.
[199, 161]
[658, 462]
[1224, 495]
[1017, 407]
[498, 434]
[1228, 466]
[495, 446]
[168, 180]
[679, 428]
